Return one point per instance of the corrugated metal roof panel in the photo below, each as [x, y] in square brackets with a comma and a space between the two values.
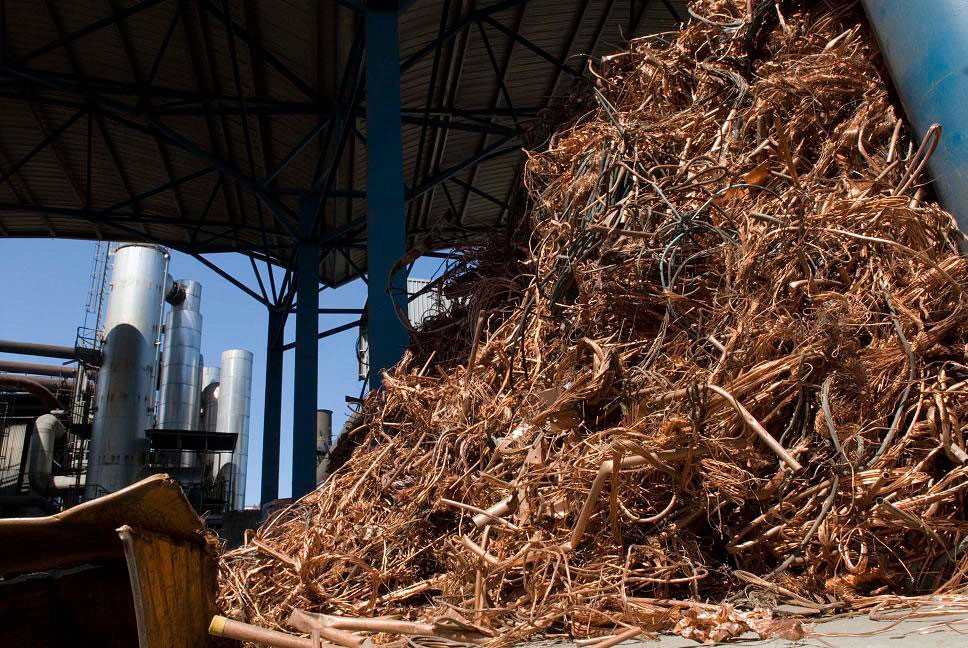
[293, 64]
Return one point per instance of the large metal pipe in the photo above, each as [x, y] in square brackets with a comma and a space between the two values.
[34, 349]
[37, 369]
[126, 380]
[48, 430]
[234, 398]
[51, 383]
[181, 363]
[925, 46]
[31, 386]
[208, 410]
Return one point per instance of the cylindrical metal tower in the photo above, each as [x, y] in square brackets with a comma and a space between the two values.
[181, 361]
[234, 396]
[208, 416]
[126, 380]
[324, 431]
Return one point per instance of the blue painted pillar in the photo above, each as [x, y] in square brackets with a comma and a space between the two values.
[925, 46]
[273, 407]
[386, 216]
[307, 351]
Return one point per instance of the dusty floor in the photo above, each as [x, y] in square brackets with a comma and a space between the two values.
[857, 632]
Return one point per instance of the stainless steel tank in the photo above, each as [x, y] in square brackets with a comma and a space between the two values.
[126, 379]
[181, 370]
[208, 414]
[181, 361]
[234, 397]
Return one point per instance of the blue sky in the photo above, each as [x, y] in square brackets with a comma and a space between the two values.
[45, 292]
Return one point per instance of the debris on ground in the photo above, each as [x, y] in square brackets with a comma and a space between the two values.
[721, 359]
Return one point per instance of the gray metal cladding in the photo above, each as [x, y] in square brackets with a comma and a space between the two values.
[181, 363]
[234, 400]
[126, 379]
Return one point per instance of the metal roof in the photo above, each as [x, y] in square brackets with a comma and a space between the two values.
[198, 123]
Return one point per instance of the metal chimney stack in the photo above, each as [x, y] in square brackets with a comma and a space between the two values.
[126, 380]
[208, 415]
[181, 360]
[234, 396]
[324, 432]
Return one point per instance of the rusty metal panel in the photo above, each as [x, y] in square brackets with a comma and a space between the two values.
[86, 533]
[173, 584]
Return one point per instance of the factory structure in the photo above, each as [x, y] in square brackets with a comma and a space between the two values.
[133, 397]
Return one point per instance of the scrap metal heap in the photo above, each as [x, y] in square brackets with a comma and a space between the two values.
[721, 359]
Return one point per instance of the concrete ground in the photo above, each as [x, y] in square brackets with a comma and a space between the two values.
[903, 630]
[946, 631]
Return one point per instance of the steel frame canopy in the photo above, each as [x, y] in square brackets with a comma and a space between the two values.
[256, 126]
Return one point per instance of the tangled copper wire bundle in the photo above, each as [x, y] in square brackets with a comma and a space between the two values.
[722, 359]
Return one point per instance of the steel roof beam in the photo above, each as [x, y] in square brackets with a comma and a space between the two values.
[156, 128]
[261, 52]
[107, 21]
[48, 139]
[468, 20]
[490, 152]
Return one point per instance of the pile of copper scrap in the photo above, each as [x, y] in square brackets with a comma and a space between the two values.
[721, 361]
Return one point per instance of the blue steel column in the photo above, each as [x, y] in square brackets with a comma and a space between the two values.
[273, 407]
[386, 213]
[925, 45]
[307, 351]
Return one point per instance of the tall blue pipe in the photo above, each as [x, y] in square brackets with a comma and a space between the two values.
[925, 46]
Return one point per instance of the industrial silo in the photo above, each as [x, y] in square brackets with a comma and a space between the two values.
[181, 367]
[208, 411]
[126, 379]
[234, 396]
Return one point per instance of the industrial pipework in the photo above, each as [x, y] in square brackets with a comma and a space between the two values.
[234, 397]
[126, 380]
[208, 415]
[181, 365]
[924, 46]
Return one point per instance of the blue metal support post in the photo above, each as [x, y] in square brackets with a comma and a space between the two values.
[386, 216]
[307, 351]
[273, 407]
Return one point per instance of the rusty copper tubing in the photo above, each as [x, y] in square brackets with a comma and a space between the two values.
[478, 551]
[391, 626]
[498, 510]
[614, 640]
[761, 432]
[222, 627]
[480, 513]
[308, 622]
[604, 472]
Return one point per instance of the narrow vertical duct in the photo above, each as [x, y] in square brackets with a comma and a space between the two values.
[208, 412]
[234, 396]
[208, 420]
[925, 46]
[181, 363]
[324, 432]
[126, 379]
